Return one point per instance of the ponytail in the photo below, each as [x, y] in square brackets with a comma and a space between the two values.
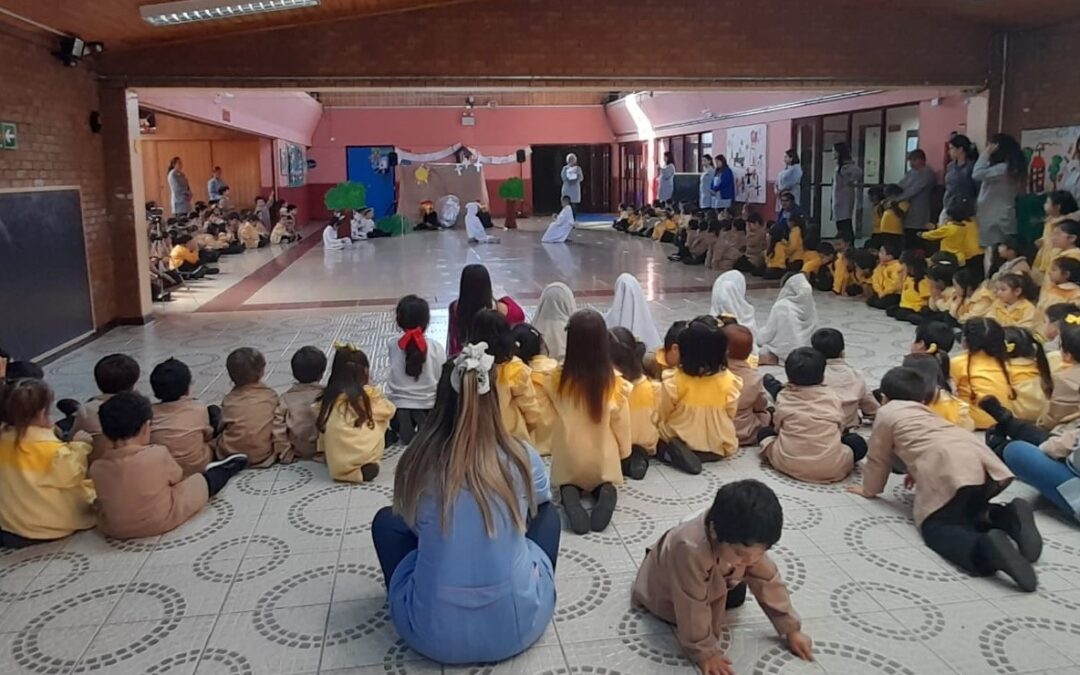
[413, 317]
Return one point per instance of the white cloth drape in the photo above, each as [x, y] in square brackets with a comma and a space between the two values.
[559, 229]
[630, 311]
[330, 240]
[557, 303]
[729, 297]
[793, 318]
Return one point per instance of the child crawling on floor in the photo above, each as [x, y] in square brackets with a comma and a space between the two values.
[701, 568]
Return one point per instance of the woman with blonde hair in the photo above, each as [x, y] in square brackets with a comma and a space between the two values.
[468, 548]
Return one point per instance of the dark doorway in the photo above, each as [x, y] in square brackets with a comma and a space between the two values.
[547, 164]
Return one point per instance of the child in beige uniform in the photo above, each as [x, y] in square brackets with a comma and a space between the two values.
[296, 409]
[353, 418]
[113, 374]
[807, 441]
[703, 567]
[627, 354]
[954, 476]
[846, 382]
[752, 414]
[248, 423]
[141, 490]
[181, 424]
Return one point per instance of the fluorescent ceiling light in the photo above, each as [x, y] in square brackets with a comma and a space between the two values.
[189, 11]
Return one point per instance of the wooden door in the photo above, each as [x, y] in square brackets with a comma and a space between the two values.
[239, 162]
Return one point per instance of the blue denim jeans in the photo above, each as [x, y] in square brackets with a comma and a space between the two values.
[1039, 470]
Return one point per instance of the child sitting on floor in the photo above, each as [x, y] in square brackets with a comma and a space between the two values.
[935, 370]
[818, 266]
[182, 424]
[415, 367]
[531, 348]
[698, 402]
[776, 253]
[887, 280]
[915, 289]
[974, 300]
[353, 418]
[954, 476]
[701, 568]
[296, 409]
[627, 354]
[1064, 240]
[249, 425]
[1063, 287]
[113, 374]
[752, 411]
[44, 491]
[942, 301]
[807, 440]
[845, 381]
[1011, 252]
[1014, 306]
[1029, 373]
[983, 370]
[513, 380]
[141, 490]
[753, 257]
[667, 357]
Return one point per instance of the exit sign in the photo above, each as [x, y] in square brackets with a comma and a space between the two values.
[9, 136]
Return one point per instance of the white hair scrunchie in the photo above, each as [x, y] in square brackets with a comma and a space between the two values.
[473, 357]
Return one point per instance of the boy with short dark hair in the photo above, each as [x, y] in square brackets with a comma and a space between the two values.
[297, 411]
[113, 374]
[807, 439]
[845, 381]
[954, 475]
[181, 424]
[701, 568]
[249, 424]
[887, 280]
[141, 490]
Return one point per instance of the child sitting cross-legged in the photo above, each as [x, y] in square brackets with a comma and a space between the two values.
[415, 365]
[666, 358]
[513, 379]
[141, 489]
[843, 379]
[113, 374]
[955, 476]
[701, 568]
[182, 424]
[296, 409]
[807, 440]
[531, 347]
[626, 354]
[1014, 305]
[249, 424]
[887, 281]
[353, 418]
[752, 413]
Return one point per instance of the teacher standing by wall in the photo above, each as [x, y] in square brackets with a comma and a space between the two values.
[705, 193]
[789, 179]
[723, 184]
[572, 176]
[179, 187]
[845, 187]
[667, 179]
[1001, 171]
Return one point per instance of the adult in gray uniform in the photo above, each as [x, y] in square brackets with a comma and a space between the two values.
[705, 193]
[179, 187]
[845, 188]
[667, 179]
[1001, 172]
[958, 180]
[918, 186]
[572, 177]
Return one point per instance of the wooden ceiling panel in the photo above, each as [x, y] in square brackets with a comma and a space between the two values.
[119, 25]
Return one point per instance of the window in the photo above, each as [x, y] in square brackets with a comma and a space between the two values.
[687, 150]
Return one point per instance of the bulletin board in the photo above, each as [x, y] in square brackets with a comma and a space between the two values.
[746, 152]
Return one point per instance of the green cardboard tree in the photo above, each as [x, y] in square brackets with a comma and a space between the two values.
[346, 196]
[512, 191]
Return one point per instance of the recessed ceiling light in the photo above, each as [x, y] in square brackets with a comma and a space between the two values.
[190, 11]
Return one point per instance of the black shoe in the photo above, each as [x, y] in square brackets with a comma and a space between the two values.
[1017, 519]
[369, 472]
[996, 440]
[575, 512]
[638, 463]
[1002, 556]
[772, 385]
[606, 496]
[391, 437]
[233, 464]
[992, 407]
[675, 453]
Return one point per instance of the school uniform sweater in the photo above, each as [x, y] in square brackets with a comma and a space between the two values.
[976, 306]
[941, 457]
[142, 492]
[1030, 402]
[886, 279]
[644, 402]
[1053, 294]
[585, 453]
[843, 276]
[809, 422]
[1073, 253]
[517, 399]
[796, 250]
[915, 296]
[952, 409]
[944, 302]
[183, 427]
[850, 387]
[976, 376]
[960, 239]
[86, 420]
[181, 254]
[1064, 404]
[751, 415]
[46, 494]
[1021, 313]
[700, 411]
[778, 259]
[540, 367]
[348, 445]
[755, 246]
[297, 410]
[683, 581]
[891, 222]
[251, 427]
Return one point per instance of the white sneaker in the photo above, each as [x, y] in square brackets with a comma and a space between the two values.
[236, 462]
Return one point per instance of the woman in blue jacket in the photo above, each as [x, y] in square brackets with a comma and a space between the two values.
[468, 549]
[723, 184]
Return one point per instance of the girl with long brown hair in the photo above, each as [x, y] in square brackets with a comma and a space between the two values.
[468, 549]
[592, 428]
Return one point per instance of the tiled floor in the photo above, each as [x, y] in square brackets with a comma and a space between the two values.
[279, 575]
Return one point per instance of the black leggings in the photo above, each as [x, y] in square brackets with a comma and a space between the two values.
[957, 531]
[407, 423]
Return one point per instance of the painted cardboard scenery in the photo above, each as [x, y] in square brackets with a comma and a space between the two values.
[1053, 159]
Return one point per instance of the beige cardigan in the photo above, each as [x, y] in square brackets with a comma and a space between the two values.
[809, 421]
[855, 396]
[752, 414]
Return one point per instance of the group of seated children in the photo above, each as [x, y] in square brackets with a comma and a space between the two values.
[186, 248]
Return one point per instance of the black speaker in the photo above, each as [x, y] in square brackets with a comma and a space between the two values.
[95, 122]
[520, 156]
[391, 159]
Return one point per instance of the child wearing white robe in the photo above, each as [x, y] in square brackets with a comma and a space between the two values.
[331, 241]
[474, 228]
[559, 230]
[556, 305]
[630, 310]
[792, 321]
[729, 297]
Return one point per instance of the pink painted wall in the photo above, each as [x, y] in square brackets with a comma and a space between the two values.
[778, 140]
[498, 131]
[936, 122]
[291, 116]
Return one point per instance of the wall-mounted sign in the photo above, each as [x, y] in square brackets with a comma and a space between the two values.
[9, 136]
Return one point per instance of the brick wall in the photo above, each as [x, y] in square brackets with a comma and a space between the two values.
[51, 104]
[1042, 82]
[612, 43]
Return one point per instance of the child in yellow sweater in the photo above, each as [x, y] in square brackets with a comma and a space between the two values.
[915, 291]
[44, 491]
[530, 348]
[934, 369]
[942, 301]
[1059, 205]
[974, 300]
[626, 354]
[1064, 240]
[1029, 372]
[1014, 306]
[893, 211]
[983, 370]
[513, 379]
[1063, 287]
[887, 280]
[796, 241]
[699, 401]
[959, 235]
[776, 253]
[353, 418]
